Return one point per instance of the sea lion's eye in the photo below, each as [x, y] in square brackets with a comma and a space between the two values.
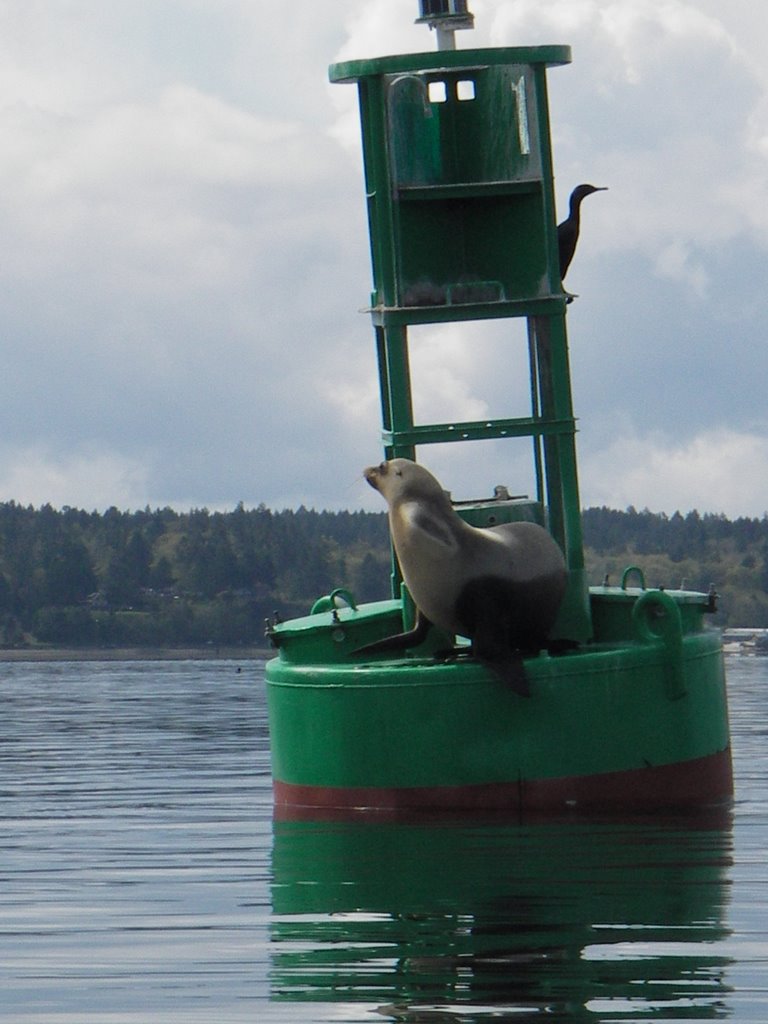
[382, 467]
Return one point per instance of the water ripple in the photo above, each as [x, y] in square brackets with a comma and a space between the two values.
[142, 879]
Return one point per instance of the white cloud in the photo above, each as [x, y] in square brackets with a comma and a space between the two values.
[90, 479]
[181, 135]
[719, 471]
[185, 243]
[666, 107]
[675, 261]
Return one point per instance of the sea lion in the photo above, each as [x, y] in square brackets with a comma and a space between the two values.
[501, 587]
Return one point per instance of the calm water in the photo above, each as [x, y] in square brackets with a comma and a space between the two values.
[142, 879]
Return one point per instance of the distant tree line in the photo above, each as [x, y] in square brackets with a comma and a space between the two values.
[693, 551]
[167, 578]
[164, 578]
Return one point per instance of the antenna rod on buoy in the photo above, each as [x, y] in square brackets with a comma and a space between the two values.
[446, 17]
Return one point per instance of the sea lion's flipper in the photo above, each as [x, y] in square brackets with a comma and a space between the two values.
[399, 641]
[508, 666]
[562, 646]
[482, 605]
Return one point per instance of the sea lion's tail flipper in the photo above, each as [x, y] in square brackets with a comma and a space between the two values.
[398, 641]
[483, 606]
[562, 646]
[510, 669]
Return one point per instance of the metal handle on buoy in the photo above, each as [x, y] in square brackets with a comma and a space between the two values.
[656, 619]
[330, 604]
[628, 572]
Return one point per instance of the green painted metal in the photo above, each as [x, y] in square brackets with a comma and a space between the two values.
[653, 695]
[357, 70]
[459, 186]
[452, 725]
[459, 181]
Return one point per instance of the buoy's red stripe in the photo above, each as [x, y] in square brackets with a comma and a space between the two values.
[703, 781]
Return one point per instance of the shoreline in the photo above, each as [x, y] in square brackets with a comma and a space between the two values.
[223, 653]
[212, 653]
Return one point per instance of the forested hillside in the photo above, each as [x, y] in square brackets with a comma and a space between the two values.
[695, 551]
[167, 578]
[160, 577]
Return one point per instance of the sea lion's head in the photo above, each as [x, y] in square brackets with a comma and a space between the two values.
[402, 480]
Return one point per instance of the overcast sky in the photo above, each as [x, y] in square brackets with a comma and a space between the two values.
[185, 254]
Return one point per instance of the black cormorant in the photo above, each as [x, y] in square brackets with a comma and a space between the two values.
[568, 231]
